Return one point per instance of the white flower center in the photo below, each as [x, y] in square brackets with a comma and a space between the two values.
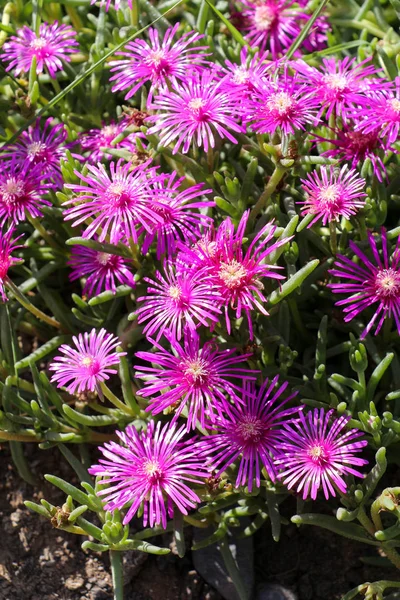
[156, 57]
[153, 469]
[336, 81]
[35, 148]
[12, 190]
[196, 371]
[241, 75]
[281, 102]
[109, 131]
[330, 194]
[103, 258]
[387, 283]
[196, 103]
[38, 44]
[264, 16]
[317, 454]
[175, 292]
[395, 105]
[233, 274]
[250, 429]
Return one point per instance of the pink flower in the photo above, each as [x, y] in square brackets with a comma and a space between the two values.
[7, 246]
[316, 453]
[109, 136]
[249, 431]
[195, 111]
[53, 45]
[118, 202]
[102, 271]
[280, 103]
[193, 375]
[176, 210]
[178, 299]
[370, 283]
[152, 469]
[248, 74]
[332, 195]
[339, 84]
[382, 112]
[22, 187]
[156, 62]
[85, 367]
[44, 147]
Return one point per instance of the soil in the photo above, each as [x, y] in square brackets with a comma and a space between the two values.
[38, 562]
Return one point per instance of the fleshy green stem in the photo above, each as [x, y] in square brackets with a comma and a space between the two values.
[117, 574]
[23, 300]
[268, 191]
[233, 570]
[114, 400]
[135, 13]
[333, 236]
[390, 552]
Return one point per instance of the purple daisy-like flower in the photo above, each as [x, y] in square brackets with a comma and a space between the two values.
[85, 367]
[22, 187]
[158, 61]
[248, 74]
[178, 219]
[44, 147]
[177, 299]
[118, 202]
[271, 24]
[50, 47]
[152, 469]
[194, 376]
[332, 195]
[339, 84]
[7, 246]
[280, 103]
[354, 147]
[108, 136]
[194, 111]
[317, 453]
[234, 272]
[382, 112]
[373, 282]
[102, 271]
[250, 430]
[117, 3]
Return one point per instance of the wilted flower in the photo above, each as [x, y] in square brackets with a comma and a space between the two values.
[85, 367]
[53, 45]
[103, 271]
[22, 187]
[194, 376]
[339, 84]
[316, 453]
[179, 298]
[118, 202]
[374, 282]
[250, 430]
[7, 246]
[151, 469]
[108, 136]
[44, 147]
[178, 210]
[332, 195]
[156, 62]
[280, 103]
[195, 111]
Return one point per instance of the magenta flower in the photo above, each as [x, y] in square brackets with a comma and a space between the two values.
[85, 367]
[339, 84]
[382, 112]
[117, 3]
[280, 103]
[109, 136]
[22, 187]
[7, 246]
[332, 195]
[152, 470]
[248, 74]
[271, 24]
[194, 376]
[53, 45]
[250, 431]
[118, 202]
[44, 147]
[354, 147]
[156, 62]
[178, 219]
[102, 271]
[317, 453]
[236, 274]
[373, 282]
[179, 298]
[195, 111]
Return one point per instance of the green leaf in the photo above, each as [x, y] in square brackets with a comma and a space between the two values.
[90, 420]
[377, 375]
[120, 292]
[119, 249]
[232, 29]
[348, 530]
[218, 534]
[293, 283]
[179, 534]
[305, 30]
[72, 491]
[42, 351]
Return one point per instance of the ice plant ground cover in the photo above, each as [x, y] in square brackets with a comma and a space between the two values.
[200, 268]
